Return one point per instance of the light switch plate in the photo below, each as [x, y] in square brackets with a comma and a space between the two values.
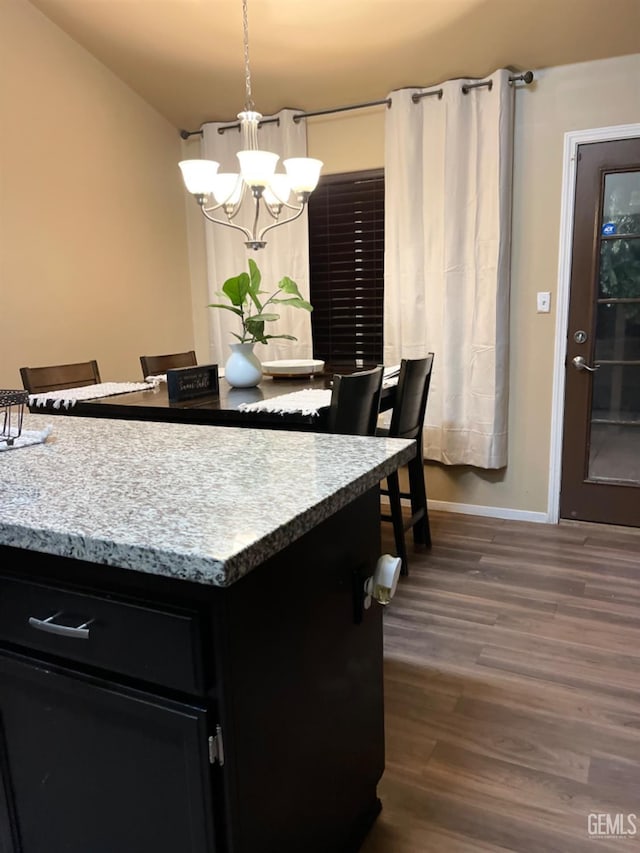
[544, 302]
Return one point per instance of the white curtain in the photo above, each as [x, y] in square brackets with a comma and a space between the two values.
[448, 170]
[286, 252]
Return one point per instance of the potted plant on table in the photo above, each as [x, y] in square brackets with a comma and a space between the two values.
[243, 369]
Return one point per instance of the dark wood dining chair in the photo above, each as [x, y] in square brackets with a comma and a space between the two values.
[154, 365]
[407, 421]
[57, 377]
[355, 402]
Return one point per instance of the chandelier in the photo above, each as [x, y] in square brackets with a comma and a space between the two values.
[257, 182]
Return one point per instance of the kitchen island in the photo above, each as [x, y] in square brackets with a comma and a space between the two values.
[185, 660]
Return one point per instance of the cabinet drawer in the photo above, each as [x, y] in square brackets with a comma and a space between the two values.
[158, 646]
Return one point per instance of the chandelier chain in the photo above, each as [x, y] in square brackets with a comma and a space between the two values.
[249, 105]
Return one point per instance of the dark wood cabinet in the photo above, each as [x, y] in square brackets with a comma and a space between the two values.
[99, 767]
[8, 826]
[192, 718]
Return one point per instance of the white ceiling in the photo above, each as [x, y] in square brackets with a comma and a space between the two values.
[185, 57]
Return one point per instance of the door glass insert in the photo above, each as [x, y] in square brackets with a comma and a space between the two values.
[614, 453]
[621, 204]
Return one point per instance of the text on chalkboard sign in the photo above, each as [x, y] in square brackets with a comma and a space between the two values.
[187, 383]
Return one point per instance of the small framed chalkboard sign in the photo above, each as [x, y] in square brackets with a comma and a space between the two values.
[187, 383]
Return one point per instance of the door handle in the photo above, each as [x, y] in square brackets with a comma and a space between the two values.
[580, 364]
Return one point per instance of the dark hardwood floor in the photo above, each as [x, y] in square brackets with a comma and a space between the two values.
[512, 690]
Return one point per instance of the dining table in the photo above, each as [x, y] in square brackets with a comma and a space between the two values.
[229, 407]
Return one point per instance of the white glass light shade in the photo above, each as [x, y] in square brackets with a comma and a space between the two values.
[257, 167]
[227, 188]
[199, 175]
[278, 191]
[303, 173]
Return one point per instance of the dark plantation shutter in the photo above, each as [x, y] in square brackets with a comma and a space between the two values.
[346, 251]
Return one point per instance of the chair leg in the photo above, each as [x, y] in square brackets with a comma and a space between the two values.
[393, 485]
[421, 529]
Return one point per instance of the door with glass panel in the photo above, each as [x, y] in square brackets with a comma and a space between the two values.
[601, 442]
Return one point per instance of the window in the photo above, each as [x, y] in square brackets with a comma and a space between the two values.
[346, 252]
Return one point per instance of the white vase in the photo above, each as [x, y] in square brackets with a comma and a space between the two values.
[243, 369]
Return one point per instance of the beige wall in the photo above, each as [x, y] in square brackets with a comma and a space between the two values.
[93, 250]
[574, 97]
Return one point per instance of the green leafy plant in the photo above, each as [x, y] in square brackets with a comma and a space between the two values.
[247, 301]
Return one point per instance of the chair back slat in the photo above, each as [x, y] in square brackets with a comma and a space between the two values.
[409, 408]
[154, 365]
[57, 377]
[355, 402]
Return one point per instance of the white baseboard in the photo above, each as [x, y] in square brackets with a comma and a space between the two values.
[487, 511]
[491, 511]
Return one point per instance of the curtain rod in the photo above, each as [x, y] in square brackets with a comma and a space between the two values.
[525, 77]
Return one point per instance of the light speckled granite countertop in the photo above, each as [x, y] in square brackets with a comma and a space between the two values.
[203, 503]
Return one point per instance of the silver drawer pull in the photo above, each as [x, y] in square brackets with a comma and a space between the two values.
[81, 632]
